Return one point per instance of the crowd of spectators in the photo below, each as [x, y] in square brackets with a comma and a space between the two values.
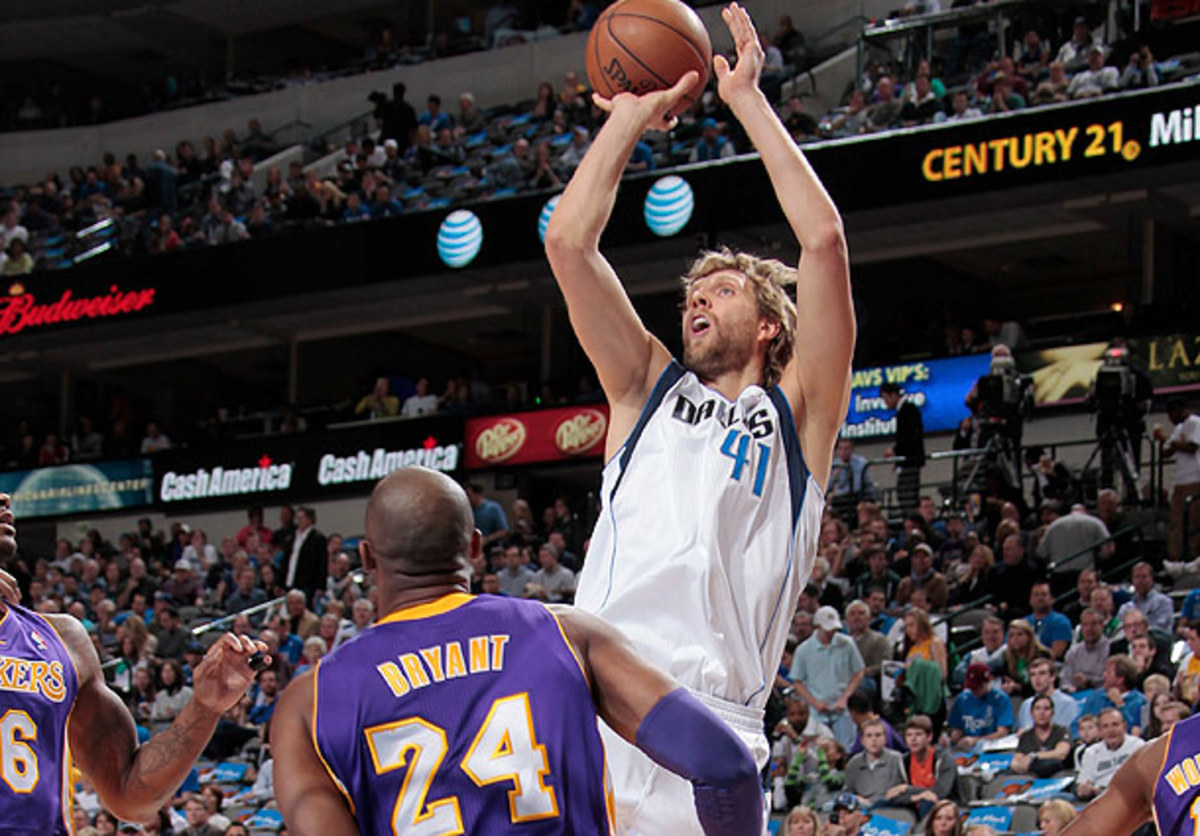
[27, 448]
[441, 156]
[1034, 74]
[878, 706]
[1078, 659]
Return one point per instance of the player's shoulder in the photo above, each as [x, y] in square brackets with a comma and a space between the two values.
[69, 629]
[74, 637]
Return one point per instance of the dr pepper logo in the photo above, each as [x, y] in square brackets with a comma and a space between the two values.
[501, 441]
[580, 432]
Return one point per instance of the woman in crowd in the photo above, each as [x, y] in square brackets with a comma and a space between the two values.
[268, 580]
[105, 823]
[173, 693]
[545, 103]
[1023, 648]
[214, 800]
[314, 649]
[944, 819]
[521, 525]
[130, 657]
[1153, 722]
[974, 585]
[141, 698]
[1054, 815]
[920, 642]
[802, 821]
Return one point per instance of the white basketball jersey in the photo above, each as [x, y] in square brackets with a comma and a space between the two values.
[706, 537]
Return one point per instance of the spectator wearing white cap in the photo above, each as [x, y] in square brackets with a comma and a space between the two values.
[826, 669]
[1097, 79]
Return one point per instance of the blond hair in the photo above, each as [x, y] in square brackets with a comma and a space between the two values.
[769, 277]
[1059, 810]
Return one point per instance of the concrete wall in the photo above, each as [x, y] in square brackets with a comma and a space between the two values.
[498, 76]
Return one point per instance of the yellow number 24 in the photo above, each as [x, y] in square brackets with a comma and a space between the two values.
[505, 749]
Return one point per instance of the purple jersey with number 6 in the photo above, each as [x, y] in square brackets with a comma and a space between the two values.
[465, 715]
[38, 684]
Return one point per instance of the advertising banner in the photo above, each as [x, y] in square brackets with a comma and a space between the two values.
[308, 466]
[1063, 375]
[881, 825]
[1173, 362]
[937, 387]
[83, 488]
[997, 818]
[547, 435]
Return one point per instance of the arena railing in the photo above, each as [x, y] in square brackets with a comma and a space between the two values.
[907, 27]
[959, 488]
[216, 624]
[1107, 573]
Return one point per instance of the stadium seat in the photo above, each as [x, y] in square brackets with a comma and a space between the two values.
[1025, 819]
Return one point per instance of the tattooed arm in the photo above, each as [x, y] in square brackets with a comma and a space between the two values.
[135, 781]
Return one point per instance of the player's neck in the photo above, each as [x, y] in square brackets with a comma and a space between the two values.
[732, 383]
[399, 597]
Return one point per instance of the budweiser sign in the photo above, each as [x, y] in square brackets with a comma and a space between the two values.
[501, 441]
[23, 310]
[580, 432]
[546, 435]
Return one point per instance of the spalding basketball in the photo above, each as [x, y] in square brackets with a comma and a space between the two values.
[638, 46]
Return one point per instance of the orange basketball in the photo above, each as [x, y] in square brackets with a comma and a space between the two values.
[638, 46]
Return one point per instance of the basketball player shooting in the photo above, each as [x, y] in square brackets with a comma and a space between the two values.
[712, 488]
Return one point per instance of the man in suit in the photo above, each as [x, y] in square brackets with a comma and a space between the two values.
[910, 444]
[307, 563]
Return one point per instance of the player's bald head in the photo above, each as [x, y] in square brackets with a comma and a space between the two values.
[419, 522]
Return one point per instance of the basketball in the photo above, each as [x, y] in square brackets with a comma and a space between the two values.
[639, 46]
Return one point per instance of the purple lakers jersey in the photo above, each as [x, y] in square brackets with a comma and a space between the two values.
[1177, 790]
[465, 715]
[37, 690]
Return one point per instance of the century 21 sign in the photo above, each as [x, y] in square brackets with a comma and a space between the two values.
[1034, 148]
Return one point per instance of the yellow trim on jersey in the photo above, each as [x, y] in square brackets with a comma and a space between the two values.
[445, 604]
[67, 788]
[68, 797]
[66, 649]
[1161, 767]
[574, 654]
[317, 746]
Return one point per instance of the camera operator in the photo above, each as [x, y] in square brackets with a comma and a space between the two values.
[1120, 396]
[1002, 400]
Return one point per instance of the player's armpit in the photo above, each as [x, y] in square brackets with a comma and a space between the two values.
[625, 686]
[310, 802]
[1126, 804]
